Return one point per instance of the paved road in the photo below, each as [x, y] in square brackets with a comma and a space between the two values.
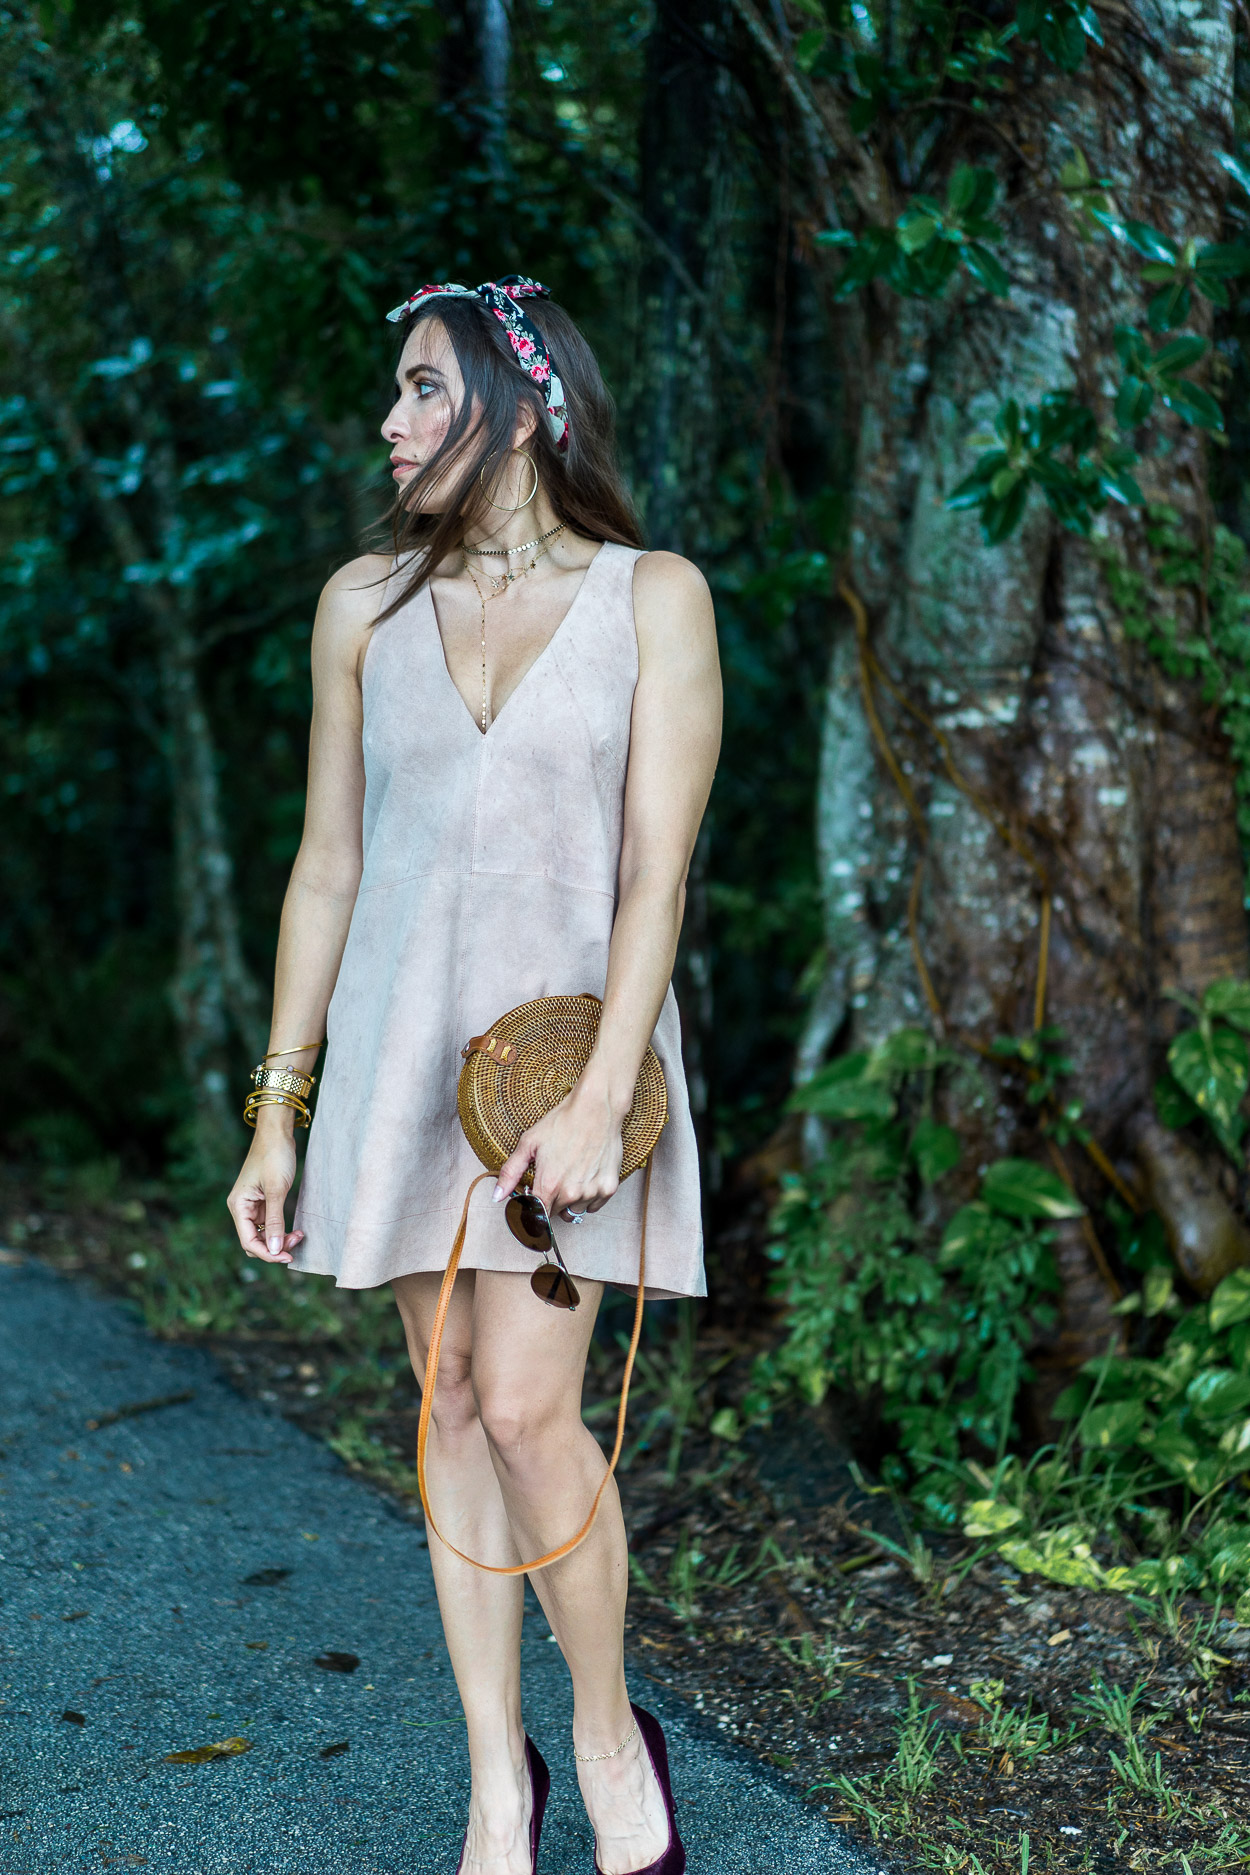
[133, 1594]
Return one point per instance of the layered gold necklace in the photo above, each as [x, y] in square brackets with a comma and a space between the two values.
[500, 582]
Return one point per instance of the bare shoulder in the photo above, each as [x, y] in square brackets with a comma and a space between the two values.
[353, 595]
[350, 602]
[673, 608]
[666, 579]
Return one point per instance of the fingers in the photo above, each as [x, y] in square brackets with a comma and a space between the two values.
[275, 1226]
[260, 1223]
[513, 1170]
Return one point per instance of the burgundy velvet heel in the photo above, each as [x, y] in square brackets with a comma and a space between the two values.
[673, 1861]
[540, 1786]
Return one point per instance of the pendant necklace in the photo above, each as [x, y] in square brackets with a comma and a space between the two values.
[499, 584]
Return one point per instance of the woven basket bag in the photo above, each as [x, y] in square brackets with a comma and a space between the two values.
[521, 1068]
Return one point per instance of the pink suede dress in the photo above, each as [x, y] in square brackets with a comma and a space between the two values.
[490, 877]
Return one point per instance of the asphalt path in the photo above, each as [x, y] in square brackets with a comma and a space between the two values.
[170, 1580]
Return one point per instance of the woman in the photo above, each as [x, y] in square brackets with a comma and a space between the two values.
[515, 726]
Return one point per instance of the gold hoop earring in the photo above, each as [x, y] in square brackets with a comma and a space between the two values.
[502, 505]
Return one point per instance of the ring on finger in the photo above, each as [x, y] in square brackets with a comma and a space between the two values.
[575, 1217]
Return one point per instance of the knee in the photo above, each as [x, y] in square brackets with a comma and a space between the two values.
[454, 1407]
[518, 1429]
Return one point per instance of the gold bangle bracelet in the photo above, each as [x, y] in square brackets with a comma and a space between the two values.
[274, 1053]
[255, 1102]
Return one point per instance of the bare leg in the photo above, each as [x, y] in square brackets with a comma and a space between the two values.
[528, 1363]
[481, 1613]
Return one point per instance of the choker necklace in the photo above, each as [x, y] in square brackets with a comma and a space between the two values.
[507, 552]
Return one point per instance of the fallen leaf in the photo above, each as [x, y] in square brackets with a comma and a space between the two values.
[75, 1718]
[335, 1751]
[207, 1754]
[138, 1406]
[1057, 1640]
[257, 1647]
[79, 1614]
[309, 1537]
[265, 1578]
[337, 1663]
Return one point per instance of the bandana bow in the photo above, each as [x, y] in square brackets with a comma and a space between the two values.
[502, 297]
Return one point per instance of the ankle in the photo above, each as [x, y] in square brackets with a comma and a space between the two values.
[604, 1740]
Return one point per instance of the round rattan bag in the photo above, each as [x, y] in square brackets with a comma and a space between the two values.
[527, 1062]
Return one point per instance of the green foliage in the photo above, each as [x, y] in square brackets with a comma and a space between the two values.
[1148, 372]
[929, 242]
[1184, 1411]
[1208, 1068]
[1063, 29]
[928, 1325]
[1054, 446]
[1207, 643]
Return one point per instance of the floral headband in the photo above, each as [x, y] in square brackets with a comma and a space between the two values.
[502, 297]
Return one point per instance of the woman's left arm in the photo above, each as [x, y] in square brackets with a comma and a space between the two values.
[674, 741]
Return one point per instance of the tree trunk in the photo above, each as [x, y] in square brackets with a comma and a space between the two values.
[216, 1000]
[1113, 779]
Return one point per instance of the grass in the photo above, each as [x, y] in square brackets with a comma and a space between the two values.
[886, 1803]
[1116, 1711]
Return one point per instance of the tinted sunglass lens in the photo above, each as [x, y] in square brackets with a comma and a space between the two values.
[527, 1221]
[555, 1286]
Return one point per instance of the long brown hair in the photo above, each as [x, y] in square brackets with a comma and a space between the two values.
[582, 481]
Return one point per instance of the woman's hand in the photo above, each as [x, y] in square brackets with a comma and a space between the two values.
[575, 1151]
[258, 1202]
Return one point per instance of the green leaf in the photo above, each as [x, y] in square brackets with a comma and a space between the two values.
[935, 1149]
[1223, 260]
[982, 265]
[1228, 998]
[1180, 354]
[986, 1517]
[971, 1225]
[842, 1091]
[971, 492]
[1235, 167]
[1231, 1301]
[1217, 1392]
[1133, 401]
[1117, 1423]
[1170, 308]
[915, 230]
[807, 47]
[1020, 1188]
[1148, 241]
[1001, 518]
[1172, 1104]
[1193, 403]
[1212, 1064]
[1122, 486]
[904, 1051]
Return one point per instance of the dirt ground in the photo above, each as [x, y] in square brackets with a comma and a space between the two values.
[938, 1705]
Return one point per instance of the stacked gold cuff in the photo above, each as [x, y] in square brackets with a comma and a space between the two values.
[279, 1087]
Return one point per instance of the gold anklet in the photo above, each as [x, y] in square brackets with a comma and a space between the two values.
[597, 1757]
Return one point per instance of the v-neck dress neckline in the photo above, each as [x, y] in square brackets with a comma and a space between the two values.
[527, 673]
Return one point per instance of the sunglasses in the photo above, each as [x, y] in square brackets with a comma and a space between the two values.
[527, 1219]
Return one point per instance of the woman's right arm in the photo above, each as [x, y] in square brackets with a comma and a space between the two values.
[317, 909]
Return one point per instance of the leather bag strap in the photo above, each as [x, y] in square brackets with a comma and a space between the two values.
[431, 1377]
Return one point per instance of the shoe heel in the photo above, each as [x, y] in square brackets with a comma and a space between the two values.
[540, 1787]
